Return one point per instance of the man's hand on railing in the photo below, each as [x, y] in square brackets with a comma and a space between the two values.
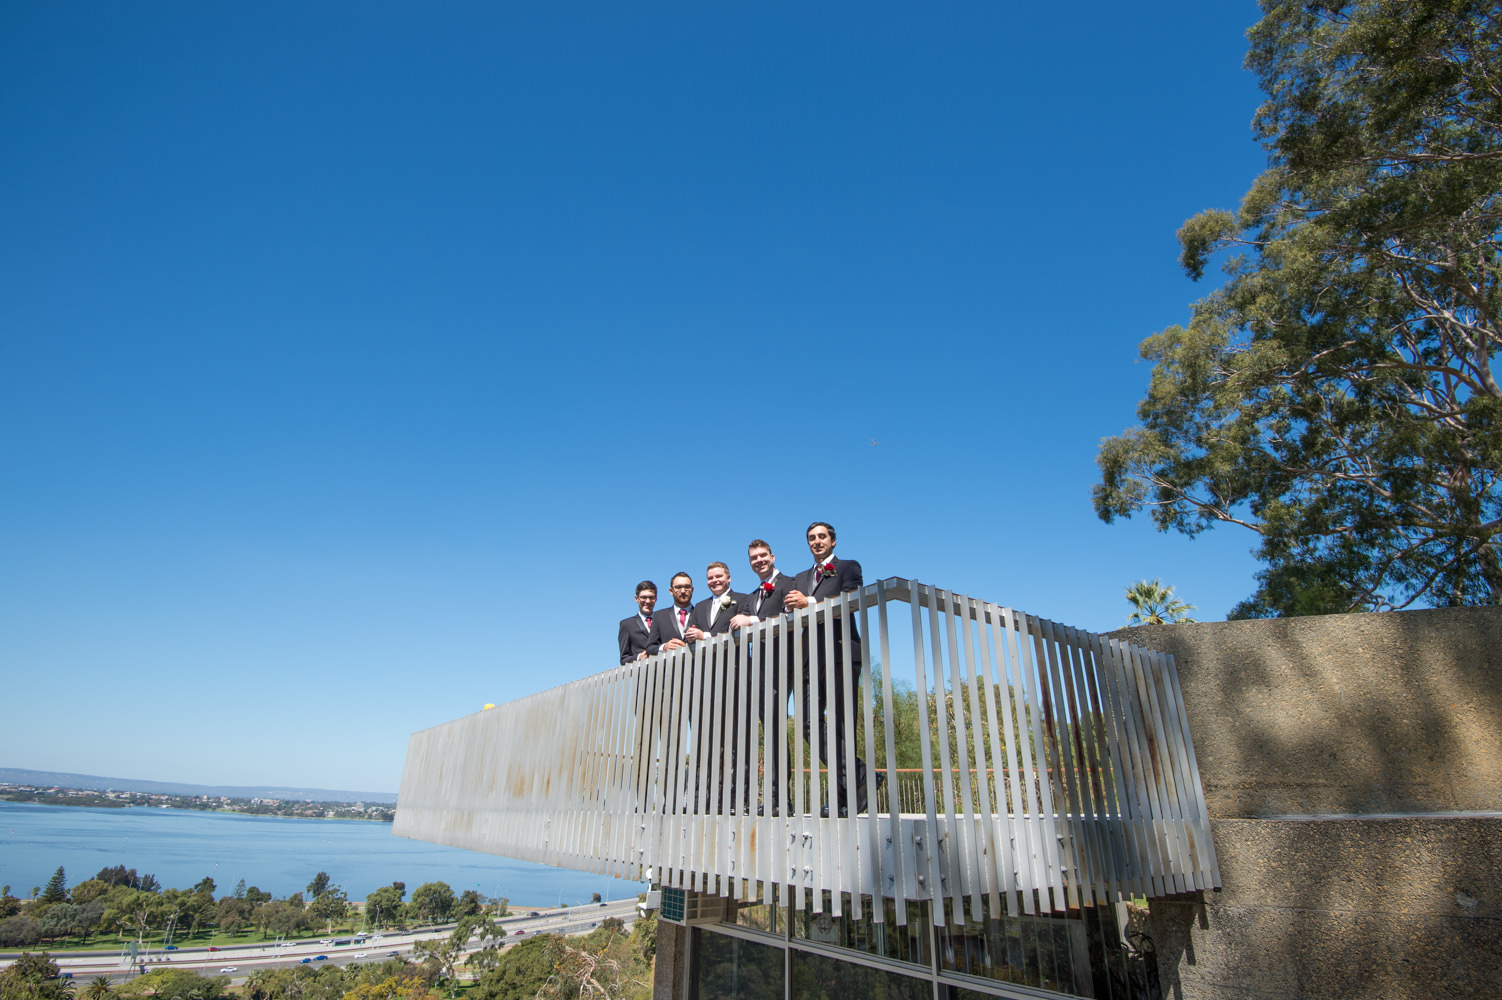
[694, 633]
[794, 599]
[674, 643]
[741, 621]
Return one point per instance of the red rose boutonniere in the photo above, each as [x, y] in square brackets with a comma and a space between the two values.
[826, 571]
[767, 587]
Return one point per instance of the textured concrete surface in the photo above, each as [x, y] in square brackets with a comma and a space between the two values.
[668, 979]
[1371, 728]
[1396, 712]
[1341, 908]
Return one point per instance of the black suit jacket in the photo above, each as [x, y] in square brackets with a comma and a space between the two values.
[847, 577]
[633, 637]
[771, 605]
[664, 627]
[721, 622]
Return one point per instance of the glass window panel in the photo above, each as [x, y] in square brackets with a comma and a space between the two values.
[725, 966]
[949, 991]
[816, 977]
[888, 940]
[757, 916]
[1079, 954]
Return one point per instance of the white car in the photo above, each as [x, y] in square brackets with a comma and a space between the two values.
[361, 954]
[229, 968]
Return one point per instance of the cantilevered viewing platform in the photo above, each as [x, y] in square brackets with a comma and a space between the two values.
[1028, 767]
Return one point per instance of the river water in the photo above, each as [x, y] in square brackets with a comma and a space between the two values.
[278, 855]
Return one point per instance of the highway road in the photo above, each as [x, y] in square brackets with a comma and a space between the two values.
[244, 959]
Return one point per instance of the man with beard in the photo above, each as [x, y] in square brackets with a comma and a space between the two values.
[669, 627]
[766, 601]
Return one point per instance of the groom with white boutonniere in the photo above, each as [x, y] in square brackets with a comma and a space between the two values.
[712, 616]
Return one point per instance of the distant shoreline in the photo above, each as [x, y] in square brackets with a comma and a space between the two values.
[85, 798]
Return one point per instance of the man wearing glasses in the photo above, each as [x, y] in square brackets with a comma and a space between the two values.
[635, 630]
[669, 627]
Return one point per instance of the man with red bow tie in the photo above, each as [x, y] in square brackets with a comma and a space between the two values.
[766, 601]
[830, 577]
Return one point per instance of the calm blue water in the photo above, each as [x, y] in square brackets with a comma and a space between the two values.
[278, 855]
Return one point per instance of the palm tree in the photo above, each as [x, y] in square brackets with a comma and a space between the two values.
[99, 986]
[1154, 604]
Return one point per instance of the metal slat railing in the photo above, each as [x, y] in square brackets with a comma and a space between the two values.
[1024, 760]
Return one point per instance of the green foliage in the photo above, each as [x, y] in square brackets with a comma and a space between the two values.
[34, 977]
[474, 925]
[121, 875]
[605, 962]
[57, 887]
[470, 903]
[384, 907]
[320, 885]
[174, 983]
[523, 970]
[433, 902]
[1338, 395]
[1154, 604]
[330, 906]
[443, 952]
[330, 982]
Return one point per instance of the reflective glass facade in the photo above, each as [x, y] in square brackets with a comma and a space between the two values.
[802, 954]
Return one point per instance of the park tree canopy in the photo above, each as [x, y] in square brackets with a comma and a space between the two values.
[1338, 395]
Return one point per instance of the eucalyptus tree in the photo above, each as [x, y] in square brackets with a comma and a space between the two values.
[1338, 395]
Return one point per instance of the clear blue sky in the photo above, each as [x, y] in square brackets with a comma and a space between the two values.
[359, 358]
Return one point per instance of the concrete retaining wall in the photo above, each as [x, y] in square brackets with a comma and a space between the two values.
[1352, 767]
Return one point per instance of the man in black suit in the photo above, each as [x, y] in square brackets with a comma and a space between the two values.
[635, 630]
[766, 601]
[830, 577]
[669, 627]
[712, 616]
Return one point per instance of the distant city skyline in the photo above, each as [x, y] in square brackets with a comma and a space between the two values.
[360, 359]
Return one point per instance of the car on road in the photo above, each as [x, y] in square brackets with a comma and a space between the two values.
[361, 954]
[229, 968]
[305, 961]
[170, 947]
[320, 958]
[393, 954]
[520, 933]
[213, 947]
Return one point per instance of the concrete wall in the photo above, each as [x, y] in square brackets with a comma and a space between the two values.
[1352, 767]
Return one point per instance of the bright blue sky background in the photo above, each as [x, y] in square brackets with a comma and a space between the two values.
[359, 358]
